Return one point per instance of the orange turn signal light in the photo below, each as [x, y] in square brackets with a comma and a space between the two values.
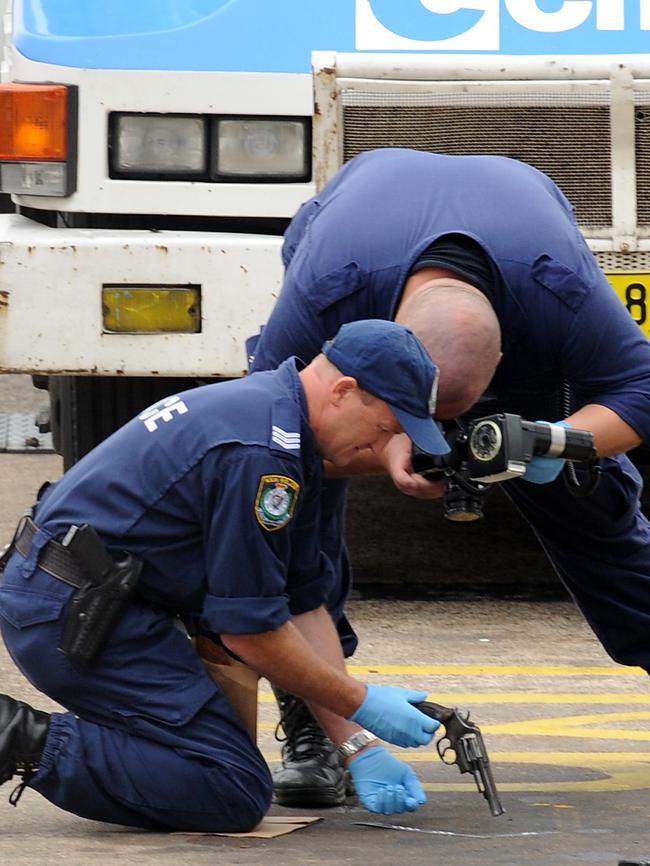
[33, 122]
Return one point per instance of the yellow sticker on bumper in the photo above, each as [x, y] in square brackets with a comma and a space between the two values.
[634, 292]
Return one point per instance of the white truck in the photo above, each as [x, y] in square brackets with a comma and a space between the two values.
[156, 150]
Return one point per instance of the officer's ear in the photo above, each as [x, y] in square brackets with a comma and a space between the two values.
[341, 388]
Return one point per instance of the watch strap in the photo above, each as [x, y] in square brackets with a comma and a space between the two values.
[355, 743]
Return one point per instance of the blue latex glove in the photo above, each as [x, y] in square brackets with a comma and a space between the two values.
[385, 784]
[541, 469]
[389, 713]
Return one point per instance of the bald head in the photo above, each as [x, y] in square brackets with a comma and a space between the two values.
[459, 328]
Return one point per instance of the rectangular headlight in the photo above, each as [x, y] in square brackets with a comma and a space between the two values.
[249, 148]
[151, 309]
[158, 144]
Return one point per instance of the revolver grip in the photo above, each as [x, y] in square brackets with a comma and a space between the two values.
[435, 711]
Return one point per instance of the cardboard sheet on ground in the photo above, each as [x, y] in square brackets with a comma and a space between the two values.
[269, 828]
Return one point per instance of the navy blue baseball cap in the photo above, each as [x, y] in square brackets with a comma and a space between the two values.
[389, 361]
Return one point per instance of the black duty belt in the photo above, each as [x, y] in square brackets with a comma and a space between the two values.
[54, 558]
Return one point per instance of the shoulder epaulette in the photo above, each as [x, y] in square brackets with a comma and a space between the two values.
[285, 427]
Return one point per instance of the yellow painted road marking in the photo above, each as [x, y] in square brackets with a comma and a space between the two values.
[502, 670]
[616, 770]
[589, 760]
[574, 726]
[561, 726]
[625, 779]
[567, 759]
[622, 771]
[454, 699]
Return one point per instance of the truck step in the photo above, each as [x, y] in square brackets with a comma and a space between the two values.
[20, 435]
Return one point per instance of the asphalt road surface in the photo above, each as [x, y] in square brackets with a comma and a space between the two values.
[567, 730]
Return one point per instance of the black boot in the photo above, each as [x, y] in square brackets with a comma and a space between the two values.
[23, 731]
[312, 772]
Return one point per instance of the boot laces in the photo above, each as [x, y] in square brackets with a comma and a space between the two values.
[26, 772]
[303, 738]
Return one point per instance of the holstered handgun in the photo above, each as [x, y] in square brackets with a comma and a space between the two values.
[462, 744]
[95, 608]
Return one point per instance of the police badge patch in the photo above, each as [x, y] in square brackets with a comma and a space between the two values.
[276, 501]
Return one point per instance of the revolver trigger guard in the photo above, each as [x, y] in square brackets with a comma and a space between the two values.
[444, 748]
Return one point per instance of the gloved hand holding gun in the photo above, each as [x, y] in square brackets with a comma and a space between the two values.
[462, 744]
[392, 713]
[404, 718]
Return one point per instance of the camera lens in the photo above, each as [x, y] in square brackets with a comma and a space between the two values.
[485, 441]
[460, 506]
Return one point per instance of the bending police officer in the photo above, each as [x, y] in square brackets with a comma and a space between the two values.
[479, 255]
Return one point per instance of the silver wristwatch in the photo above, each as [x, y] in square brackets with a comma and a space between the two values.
[355, 743]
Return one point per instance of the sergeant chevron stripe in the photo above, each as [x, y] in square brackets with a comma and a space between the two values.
[286, 440]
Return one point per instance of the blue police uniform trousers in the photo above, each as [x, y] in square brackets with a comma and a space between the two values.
[600, 548]
[149, 740]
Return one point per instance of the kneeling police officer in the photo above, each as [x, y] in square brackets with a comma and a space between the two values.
[205, 508]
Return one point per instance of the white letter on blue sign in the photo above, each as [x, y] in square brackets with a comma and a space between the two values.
[610, 14]
[572, 14]
[645, 14]
[427, 25]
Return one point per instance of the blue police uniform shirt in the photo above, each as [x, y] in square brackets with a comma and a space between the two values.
[217, 490]
[350, 249]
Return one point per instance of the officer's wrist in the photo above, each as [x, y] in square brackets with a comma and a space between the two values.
[356, 743]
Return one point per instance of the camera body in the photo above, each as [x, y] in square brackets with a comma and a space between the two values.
[496, 448]
[499, 447]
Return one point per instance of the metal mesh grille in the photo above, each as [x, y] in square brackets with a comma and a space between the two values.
[642, 135]
[569, 142]
[614, 262]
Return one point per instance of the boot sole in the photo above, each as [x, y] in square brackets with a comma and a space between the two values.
[311, 798]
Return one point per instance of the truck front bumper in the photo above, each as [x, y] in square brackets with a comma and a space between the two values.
[51, 298]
